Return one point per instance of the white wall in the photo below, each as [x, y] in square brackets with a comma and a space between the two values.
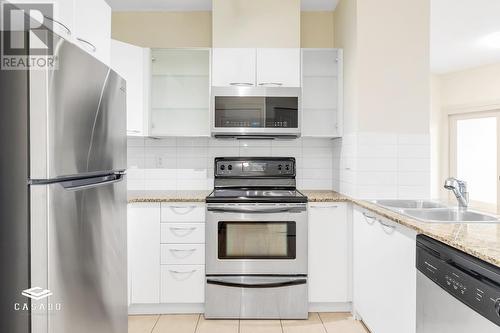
[385, 152]
[256, 23]
[467, 91]
[188, 163]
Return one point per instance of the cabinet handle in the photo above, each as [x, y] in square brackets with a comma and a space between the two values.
[89, 44]
[65, 27]
[241, 84]
[186, 252]
[188, 209]
[390, 227]
[279, 84]
[133, 131]
[324, 207]
[183, 275]
[179, 234]
[369, 217]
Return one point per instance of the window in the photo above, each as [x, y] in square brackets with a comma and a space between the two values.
[474, 156]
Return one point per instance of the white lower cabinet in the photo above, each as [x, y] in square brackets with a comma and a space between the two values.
[329, 253]
[144, 253]
[166, 257]
[384, 273]
[182, 284]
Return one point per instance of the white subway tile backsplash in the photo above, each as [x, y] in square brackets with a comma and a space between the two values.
[382, 165]
[178, 163]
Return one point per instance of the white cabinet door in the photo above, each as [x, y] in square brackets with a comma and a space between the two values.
[278, 67]
[144, 252]
[60, 15]
[180, 87]
[132, 63]
[384, 274]
[322, 114]
[329, 255]
[93, 28]
[233, 67]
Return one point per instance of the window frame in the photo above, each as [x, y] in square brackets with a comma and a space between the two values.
[452, 126]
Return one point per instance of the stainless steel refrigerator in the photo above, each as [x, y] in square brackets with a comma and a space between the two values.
[63, 197]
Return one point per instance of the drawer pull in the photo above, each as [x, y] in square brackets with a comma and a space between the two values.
[182, 232]
[388, 229]
[180, 275]
[188, 209]
[187, 252]
[369, 217]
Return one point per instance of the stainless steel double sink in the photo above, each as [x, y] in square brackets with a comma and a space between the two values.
[435, 212]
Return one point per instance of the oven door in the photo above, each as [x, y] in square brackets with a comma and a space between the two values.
[253, 239]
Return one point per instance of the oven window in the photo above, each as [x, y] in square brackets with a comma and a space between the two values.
[256, 240]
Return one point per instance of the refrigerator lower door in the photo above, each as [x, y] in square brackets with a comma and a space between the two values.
[78, 250]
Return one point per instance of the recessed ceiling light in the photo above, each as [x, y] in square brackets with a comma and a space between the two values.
[491, 40]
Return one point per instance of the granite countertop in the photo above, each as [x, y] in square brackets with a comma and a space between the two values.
[167, 196]
[481, 240]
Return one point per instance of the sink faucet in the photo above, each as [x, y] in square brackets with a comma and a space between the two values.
[459, 188]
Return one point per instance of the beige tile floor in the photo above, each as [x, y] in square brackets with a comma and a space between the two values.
[195, 323]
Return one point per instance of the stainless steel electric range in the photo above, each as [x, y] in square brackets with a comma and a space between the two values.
[256, 241]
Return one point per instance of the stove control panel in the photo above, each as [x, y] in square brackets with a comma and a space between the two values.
[255, 167]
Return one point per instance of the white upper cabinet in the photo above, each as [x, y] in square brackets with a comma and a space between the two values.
[322, 110]
[278, 67]
[61, 16]
[133, 64]
[87, 23]
[233, 67]
[269, 67]
[92, 28]
[180, 88]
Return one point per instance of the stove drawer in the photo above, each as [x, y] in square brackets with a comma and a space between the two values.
[183, 212]
[183, 233]
[256, 297]
[182, 284]
[182, 254]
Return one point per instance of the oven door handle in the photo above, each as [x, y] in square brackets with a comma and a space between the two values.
[258, 285]
[257, 210]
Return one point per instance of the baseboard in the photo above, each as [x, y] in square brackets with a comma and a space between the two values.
[331, 307]
[171, 308]
[179, 308]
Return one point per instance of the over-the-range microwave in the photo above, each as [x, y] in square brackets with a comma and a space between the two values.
[256, 112]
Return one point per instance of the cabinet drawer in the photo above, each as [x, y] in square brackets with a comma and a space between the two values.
[183, 233]
[182, 284]
[183, 212]
[182, 254]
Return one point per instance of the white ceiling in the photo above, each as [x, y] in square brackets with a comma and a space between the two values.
[190, 5]
[457, 27]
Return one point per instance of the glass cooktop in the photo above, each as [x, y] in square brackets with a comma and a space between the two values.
[256, 195]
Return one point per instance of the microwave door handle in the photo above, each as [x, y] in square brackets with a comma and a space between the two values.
[256, 210]
[257, 285]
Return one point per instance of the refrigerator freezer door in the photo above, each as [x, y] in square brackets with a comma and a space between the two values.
[86, 264]
[77, 116]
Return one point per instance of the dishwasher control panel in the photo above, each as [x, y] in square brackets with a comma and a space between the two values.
[460, 275]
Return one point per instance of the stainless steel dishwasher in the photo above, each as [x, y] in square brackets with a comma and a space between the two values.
[456, 292]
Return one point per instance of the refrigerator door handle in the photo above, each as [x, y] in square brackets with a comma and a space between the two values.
[84, 183]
